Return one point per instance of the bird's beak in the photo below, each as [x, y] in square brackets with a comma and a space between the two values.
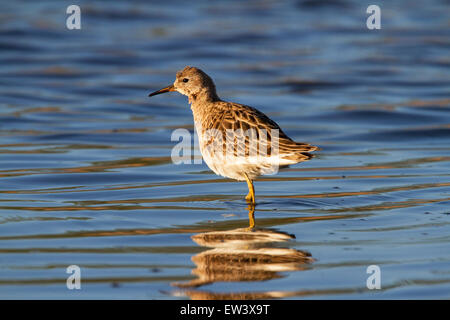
[166, 89]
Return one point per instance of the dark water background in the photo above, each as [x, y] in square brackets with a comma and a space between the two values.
[86, 176]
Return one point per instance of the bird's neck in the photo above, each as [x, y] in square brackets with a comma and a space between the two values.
[203, 97]
[202, 105]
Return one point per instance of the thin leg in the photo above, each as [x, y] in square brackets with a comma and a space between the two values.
[251, 190]
[251, 216]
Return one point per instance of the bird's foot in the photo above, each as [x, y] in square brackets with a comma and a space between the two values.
[250, 198]
[251, 217]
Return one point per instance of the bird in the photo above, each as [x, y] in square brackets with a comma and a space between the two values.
[236, 141]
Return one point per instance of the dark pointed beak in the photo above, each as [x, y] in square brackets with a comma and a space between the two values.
[163, 90]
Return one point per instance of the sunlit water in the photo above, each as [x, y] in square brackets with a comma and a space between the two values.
[86, 176]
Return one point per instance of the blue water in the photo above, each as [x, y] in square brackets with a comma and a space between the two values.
[86, 176]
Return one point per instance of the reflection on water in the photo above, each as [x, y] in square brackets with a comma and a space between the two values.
[243, 254]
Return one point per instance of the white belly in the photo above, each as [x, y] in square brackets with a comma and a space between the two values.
[231, 166]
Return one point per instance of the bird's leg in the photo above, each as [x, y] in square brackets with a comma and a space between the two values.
[251, 216]
[251, 190]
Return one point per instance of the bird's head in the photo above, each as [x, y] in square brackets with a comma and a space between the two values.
[191, 82]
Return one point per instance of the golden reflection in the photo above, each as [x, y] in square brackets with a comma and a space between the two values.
[443, 103]
[243, 254]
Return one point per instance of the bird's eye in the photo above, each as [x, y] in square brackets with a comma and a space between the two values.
[185, 80]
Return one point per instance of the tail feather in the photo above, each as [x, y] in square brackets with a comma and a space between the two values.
[297, 151]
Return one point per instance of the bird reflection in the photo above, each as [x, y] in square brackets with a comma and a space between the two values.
[244, 254]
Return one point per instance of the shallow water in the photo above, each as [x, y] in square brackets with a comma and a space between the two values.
[86, 176]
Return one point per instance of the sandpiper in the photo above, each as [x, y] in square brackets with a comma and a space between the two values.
[232, 129]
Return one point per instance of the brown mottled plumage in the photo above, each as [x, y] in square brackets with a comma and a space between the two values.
[236, 141]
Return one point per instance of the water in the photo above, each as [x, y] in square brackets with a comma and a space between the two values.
[86, 176]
